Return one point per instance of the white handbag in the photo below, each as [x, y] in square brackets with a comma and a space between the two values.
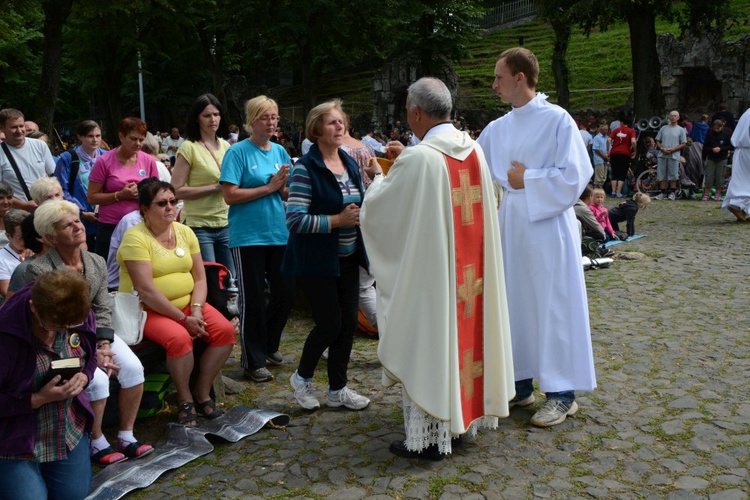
[128, 316]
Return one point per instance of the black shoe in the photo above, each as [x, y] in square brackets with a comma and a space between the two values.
[429, 453]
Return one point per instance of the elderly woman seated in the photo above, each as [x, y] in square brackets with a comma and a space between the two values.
[45, 419]
[160, 259]
[57, 221]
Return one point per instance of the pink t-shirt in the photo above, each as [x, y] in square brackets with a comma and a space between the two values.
[113, 176]
[602, 217]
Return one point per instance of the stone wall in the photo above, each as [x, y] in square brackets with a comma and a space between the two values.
[389, 87]
[697, 74]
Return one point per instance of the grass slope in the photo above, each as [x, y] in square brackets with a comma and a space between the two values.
[600, 66]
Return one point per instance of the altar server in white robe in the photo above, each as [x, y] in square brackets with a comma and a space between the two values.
[737, 200]
[536, 154]
[434, 245]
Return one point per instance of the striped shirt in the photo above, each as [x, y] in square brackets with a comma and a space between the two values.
[299, 220]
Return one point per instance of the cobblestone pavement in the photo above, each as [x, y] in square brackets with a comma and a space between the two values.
[670, 418]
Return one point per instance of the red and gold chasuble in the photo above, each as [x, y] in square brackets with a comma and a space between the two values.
[468, 229]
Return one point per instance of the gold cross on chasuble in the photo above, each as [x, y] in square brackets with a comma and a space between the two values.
[470, 371]
[468, 223]
[470, 289]
[465, 196]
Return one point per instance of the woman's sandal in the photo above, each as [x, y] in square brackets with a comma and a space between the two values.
[215, 412]
[189, 415]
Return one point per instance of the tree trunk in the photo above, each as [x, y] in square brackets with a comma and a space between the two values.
[211, 46]
[56, 12]
[560, 63]
[308, 75]
[648, 97]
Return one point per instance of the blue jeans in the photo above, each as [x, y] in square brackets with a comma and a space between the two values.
[214, 243]
[68, 479]
[524, 388]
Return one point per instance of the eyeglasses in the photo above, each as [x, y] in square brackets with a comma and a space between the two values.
[163, 203]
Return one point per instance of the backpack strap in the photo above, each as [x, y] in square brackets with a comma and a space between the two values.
[75, 164]
[18, 172]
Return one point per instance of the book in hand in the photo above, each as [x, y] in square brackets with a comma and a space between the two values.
[66, 368]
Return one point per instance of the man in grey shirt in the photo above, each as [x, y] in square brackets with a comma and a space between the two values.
[669, 141]
[32, 157]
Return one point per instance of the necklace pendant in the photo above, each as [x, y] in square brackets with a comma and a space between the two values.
[179, 252]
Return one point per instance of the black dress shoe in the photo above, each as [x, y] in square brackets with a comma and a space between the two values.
[429, 453]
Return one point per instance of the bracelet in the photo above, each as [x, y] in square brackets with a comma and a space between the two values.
[116, 193]
[377, 174]
[182, 321]
[197, 304]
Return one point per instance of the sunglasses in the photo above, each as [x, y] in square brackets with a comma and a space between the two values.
[163, 203]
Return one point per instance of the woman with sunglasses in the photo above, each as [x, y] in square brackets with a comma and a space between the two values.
[161, 260]
[58, 223]
[44, 422]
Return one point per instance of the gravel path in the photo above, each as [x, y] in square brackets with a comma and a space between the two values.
[669, 419]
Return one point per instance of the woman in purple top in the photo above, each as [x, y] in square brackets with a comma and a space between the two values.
[113, 182]
[44, 422]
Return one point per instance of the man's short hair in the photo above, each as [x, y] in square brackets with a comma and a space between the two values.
[431, 96]
[13, 219]
[9, 114]
[520, 60]
[718, 123]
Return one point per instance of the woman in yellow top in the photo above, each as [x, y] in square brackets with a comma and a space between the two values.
[196, 179]
[161, 260]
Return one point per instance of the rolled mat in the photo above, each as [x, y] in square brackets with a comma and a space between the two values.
[184, 444]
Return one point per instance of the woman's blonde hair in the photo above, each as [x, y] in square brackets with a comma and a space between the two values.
[314, 123]
[642, 200]
[50, 213]
[254, 109]
[42, 186]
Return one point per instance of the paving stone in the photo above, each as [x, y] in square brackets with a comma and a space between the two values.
[691, 483]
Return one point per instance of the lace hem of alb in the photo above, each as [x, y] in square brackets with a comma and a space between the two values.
[423, 430]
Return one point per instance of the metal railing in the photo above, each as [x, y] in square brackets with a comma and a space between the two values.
[507, 13]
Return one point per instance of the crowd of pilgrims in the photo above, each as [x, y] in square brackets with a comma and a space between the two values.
[146, 215]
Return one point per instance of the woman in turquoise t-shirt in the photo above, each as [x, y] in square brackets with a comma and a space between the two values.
[253, 180]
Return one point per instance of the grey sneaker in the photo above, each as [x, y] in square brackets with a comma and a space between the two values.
[528, 400]
[325, 354]
[259, 374]
[672, 196]
[274, 358]
[659, 196]
[347, 397]
[553, 412]
[303, 392]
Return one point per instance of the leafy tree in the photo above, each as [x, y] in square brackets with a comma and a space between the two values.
[695, 16]
[20, 46]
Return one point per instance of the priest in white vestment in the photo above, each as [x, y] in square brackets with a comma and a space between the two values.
[434, 246]
[737, 200]
[536, 154]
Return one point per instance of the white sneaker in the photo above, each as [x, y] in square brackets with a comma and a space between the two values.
[348, 398]
[303, 392]
[528, 400]
[672, 196]
[659, 196]
[553, 412]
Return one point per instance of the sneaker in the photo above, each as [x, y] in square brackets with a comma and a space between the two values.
[325, 354]
[553, 412]
[672, 196]
[274, 358]
[717, 198]
[347, 397]
[528, 400]
[259, 374]
[660, 196]
[303, 392]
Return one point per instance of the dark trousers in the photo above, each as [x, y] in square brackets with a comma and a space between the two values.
[261, 322]
[334, 303]
[103, 237]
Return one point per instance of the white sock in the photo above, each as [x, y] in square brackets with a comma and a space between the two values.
[99, 444]
[126, 436]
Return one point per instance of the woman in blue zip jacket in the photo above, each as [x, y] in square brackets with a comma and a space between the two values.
[79, 161]
[324, 252]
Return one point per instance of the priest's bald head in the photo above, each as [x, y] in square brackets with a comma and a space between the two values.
[428, 103]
